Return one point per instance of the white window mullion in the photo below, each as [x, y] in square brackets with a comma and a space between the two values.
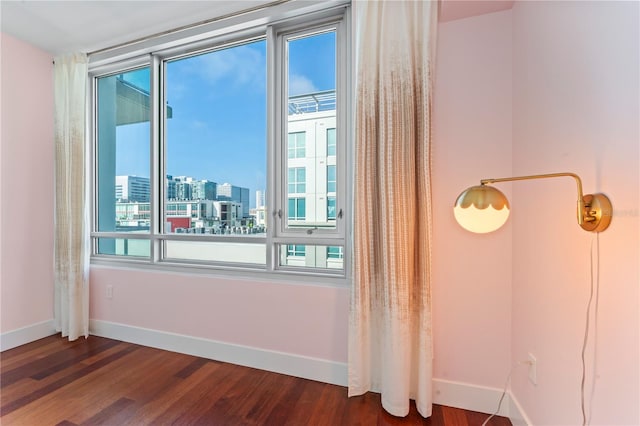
[343, 90]
[93, 131]
[274, 208]
[346, 176]
[156, 167]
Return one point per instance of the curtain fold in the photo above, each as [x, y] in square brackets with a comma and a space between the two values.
[71, 231]
[390, 343]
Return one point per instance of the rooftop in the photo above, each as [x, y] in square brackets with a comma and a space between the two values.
[312, 102]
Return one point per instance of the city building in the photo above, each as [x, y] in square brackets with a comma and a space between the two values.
[227, 191]
[213, 217]
[188, 188]
[311, 160]
[204, 190]
[259, 212]
[132, 188]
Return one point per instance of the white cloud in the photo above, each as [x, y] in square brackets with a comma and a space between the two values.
[300, 85]
[241, 65]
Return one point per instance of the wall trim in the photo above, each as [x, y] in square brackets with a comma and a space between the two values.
[452, 394]
[278, 362]
[28, 334]
[516, 414]
[478, 398]
[469, 397]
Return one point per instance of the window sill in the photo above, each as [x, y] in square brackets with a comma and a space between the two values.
[258, 273]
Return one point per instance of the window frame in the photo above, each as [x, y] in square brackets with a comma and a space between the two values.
[274, 25]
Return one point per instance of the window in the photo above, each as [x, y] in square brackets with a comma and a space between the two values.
[295, 250]
[297, 147]
[331, 178]
[122, 146]
[220, 151]
[296, 209]
[296, 180]
[334, 252]
[312, 256]
[331, 141]
[331, 208]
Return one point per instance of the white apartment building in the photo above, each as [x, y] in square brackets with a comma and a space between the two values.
[311, 176]
[311, 161]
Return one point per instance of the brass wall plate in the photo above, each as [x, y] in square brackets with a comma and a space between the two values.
[598, 212]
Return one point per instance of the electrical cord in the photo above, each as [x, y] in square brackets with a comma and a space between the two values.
[504, 391]
[595, 282]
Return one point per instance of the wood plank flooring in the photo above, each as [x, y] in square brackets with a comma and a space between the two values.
[101, 381]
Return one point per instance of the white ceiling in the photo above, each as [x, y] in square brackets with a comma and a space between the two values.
[59, 26]
[86, 26]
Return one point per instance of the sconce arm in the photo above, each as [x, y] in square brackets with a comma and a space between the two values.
[581, 203]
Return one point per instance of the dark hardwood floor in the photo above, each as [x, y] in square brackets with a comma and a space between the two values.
[106, 382]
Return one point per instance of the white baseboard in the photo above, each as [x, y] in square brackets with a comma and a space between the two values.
[478, 398]
[516, 414]
[469, 397]
[28, 334]
[279, 362]
[452, 394]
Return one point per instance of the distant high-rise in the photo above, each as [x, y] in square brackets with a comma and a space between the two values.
[260, 214]
[226, 191]
[188, 188]
[259, 199]
[204, 190]
[132, 188]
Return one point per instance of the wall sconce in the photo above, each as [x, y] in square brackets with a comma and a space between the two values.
[483, 208]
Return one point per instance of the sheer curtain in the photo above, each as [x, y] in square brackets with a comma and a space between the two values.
[71, 231]
[390, 345]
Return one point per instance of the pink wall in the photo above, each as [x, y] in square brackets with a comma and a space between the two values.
[26, 185]
[575, 108]
[297, 318]
[472, 140]
[548, 86]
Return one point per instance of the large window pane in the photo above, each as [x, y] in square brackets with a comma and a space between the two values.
[216, 142]
[122, 155]
[311, 256]
[127, 247]
[311, 123]
[226, 252]
[216, 153]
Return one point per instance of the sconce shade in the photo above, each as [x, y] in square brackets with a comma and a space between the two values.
[481, 209]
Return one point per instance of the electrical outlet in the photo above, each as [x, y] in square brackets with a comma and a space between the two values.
[109, 292]
[533, 376]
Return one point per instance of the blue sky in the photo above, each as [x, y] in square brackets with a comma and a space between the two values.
[218, 129]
